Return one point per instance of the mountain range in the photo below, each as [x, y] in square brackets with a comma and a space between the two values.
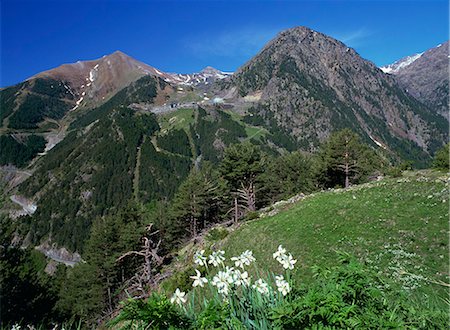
[92, 135]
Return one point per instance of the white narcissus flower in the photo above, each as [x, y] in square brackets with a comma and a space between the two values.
[282, 285]
[229, 272]
[217, 258]
[178, 297]
[238, 262]
[221, 279]
[279, 278]
[279, 253]
[247, 255]
[198, 279]
[241, 278]
[246, 258]
[199, 258]
[223, 290]
[288, 262]
[261, 286]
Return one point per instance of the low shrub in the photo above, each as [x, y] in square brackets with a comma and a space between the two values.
[252, 215]
[217, 234]
[155, 313]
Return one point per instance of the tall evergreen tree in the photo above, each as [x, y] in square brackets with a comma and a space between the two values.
[241, 167]
[196, 203]
[92, 286]
[286, 175]
[345, 160]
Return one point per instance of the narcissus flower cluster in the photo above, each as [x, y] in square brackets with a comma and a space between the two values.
[228, 278]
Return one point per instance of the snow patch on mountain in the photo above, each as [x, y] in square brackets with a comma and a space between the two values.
[400, 64]
[205, 76]
[378, 143]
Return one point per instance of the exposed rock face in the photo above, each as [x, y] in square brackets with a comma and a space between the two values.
[60, 255]
[313, 84]
[427, 78]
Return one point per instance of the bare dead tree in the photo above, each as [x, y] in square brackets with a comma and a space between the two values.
[237, 211]
[348, 166]
[144, 276]
[247, 194]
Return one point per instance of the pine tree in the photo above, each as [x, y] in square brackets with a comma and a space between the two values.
[241, 167]
[286, 175]
[196, 203]
[344, 160]
[92, 286]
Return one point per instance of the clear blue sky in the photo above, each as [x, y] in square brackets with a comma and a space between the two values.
[185, 36]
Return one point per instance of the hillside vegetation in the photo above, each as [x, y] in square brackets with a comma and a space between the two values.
[398, 227]
[373, 256]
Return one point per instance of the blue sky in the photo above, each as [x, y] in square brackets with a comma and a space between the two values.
[185, 36]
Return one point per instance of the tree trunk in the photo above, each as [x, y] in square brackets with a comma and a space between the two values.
[251, 198]
[347, 183]
[236, 210]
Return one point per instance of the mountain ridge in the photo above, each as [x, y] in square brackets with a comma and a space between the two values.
[303, 74]
[426, 77]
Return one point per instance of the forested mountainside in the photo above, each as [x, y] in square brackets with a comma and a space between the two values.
[299, 89]
[426, 77]
[114, 154]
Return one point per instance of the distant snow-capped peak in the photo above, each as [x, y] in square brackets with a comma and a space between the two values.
[400, 64]
[205, 76]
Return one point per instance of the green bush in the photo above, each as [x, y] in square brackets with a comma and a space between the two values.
[213, 316]
[351, 296]
[252, 215]
[179, 280]
[217, 234]
[441, 158]
[394, 172]
[155, 313]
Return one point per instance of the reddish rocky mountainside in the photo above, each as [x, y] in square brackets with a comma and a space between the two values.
[97, 80]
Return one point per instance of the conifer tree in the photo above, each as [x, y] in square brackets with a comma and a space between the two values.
[441, 158]
[286, 175]
[196, 203]
[345, 160]
[241, 167]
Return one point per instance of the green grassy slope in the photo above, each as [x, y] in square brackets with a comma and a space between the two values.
[399, 227]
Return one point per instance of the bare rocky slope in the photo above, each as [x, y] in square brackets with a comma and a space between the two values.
[427, 78]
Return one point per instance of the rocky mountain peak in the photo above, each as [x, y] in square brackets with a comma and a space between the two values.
[210, 70]
[96, 80]
[303, 77]
[426, 77]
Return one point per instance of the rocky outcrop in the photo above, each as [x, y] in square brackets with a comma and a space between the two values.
[427, 78]
[59, 254]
